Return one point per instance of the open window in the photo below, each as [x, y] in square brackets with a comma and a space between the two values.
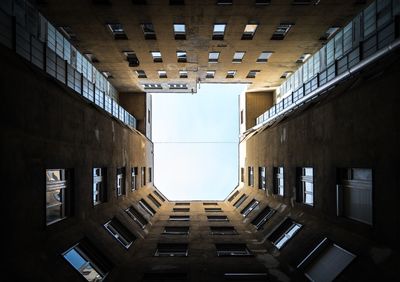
[284, 232]
[58, 186]
[122, 234]
[171, 250]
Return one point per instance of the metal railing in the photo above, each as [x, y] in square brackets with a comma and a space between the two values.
[24, 30]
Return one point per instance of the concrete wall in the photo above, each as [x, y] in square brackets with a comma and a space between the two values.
[256, 104]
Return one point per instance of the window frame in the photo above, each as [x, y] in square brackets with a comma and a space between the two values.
[102, 179]
[64, 185]
[218, 34]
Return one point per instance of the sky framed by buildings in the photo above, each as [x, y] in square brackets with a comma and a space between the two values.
[195, 140]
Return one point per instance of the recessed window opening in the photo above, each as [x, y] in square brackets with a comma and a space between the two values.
[218, 31]
[180, 31]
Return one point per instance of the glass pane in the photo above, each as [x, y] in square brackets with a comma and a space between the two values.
[90, 273]
[308, 171]
[53, 213]
[75, 259]
[179, 28]
[250, 28]
[219, 28]
[54, 197]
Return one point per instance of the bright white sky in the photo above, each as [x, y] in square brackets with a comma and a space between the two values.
[196, 142]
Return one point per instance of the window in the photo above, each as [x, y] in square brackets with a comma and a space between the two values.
[136, 216]
[217, 218]
[210, 204]
[252, 74]
[250, 173]
[177, 86]
[57, 189]
[238, 56]
[263, 2]
[159, 195]
[120, 184]
[179, 218]
[87, 261]
[183, 74]
[212, 209]
[286, 74]
[143, 176]
[210, 74]
[241, 122]
[152, 86]
[230, 199]
[155, 202]
[182, 204]
[180, 31]
[279, 181]
[264, 56]
[224, 250]
[148, 31]
[281, 31]
[149, 121]
[224, 2]
[305, 186]
[249, 31]
[120, 232]
[213, 57]
[181, 209]
[354, 194]
[223, 230]
[162, 74]
[218, 31]
[230, 74]
[250, 206]
[318, 265]
[284, 232]
[240, 201]
[303, 2]
[150, 172]
[134, 173]
[332, 30]
[156, 56]
[303, 58]
[132, 59]
[181, 55]
[176, 230]
[263, 217]
[171, 250]
[117, 31]
[99, 185]
[262, 180]
[139, 2]
[242, 173]
[146, 207]
[177, 2]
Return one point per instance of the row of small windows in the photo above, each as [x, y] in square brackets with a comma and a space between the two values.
[218, 2]
[184, 74]
[214, 230]
[59, 183]
[353, 189]
[218, 31]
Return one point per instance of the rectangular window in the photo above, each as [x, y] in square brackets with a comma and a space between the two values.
[182, 204]
[155, 202]
[156, 56]
[218, 31]
[217, 218]
[120, 183]
[146, 207]
[210, 74]
[238, 56]
[159, 195]
[136, 216]
[150, 171]
[230, 74]
[318, 266]
[249, 31]
[178, 86]
[152, 86]
[99, 185]
[284, 232]
[212, 209]
[148, 31]
[224, 250]
[87, 261]
[303, 58]
[176, 230]
[179, 218]
[281, 31]
[179, 31]
[263, 2]
[120, 232]
[223, 230]
[177, 2]
[233, 196]
[117, 30]
[263, 217]
[224, 2]
[262, 180]
[134, 173]
[354, 194]
[210, 204]
[241, 122]
[181, 55]
[183, 74]
[242, 171]
[213, 57]
[240, 201]
[264, 56]
[57, 189]
[305, 185]
[162, 74]
[279, 181]
[250, 206]
[250, 173]
[369, 16]
[252, 74]
[132, 59]
[143, 176]
[181, 209]
[171, 250]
